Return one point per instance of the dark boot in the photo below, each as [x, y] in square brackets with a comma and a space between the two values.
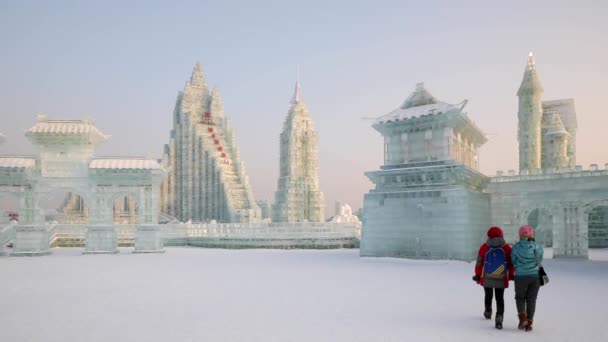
[529, 325]
[487, 314]
[498, 324]
[523, 321]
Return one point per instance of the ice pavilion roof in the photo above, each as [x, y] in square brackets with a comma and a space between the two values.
[17, 162]
[420, 103]
[58, 128]
[125, 164]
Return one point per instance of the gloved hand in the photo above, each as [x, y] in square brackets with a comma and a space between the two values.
[476, 278]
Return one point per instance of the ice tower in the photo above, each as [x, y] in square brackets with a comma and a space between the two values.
[298, 198]
[428, 200]
[530, 115]
[544, 126]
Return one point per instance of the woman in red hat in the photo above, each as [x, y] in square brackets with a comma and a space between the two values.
[493, 271]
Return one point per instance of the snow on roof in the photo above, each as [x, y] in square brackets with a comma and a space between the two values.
[51, 131]
[17, 162]
[65, 127]
[419, 103]
[123, 164]
[437, 108]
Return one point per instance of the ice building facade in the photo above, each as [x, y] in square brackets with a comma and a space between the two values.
[298, 197]
[206, 178]
[66, 163]
[430, 201]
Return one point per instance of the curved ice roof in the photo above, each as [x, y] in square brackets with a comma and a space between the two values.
[17, 162]
[420, 103]
[124, 164]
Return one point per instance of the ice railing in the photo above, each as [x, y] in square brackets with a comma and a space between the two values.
[540, 174]
[263, 230]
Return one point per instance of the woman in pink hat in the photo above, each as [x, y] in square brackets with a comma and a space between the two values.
[527, 257]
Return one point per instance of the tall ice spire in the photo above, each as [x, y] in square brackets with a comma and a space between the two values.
[530, 116]
[297, 95]
[531, 81]
[298, 197]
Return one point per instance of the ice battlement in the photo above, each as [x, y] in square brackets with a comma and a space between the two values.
[543, 174]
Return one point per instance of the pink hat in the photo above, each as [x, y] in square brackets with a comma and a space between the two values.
[526, 231]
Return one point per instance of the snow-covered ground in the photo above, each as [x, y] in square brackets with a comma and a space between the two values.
[190, 294]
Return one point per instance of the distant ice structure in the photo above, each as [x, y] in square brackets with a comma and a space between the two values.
[66, 162]
[265, 208]
[206, 178]
[431, 202]
[298, 197]
[344, 213]
[547, 130]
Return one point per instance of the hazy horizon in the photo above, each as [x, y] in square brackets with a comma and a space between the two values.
[123, 65]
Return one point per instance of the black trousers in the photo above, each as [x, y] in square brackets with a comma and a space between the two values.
[500, 299]
[526, 291]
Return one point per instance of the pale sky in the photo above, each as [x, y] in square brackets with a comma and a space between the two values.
[122, 63]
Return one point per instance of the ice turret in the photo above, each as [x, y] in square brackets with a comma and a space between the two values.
[555, 142]
[530, 116]
[531, 81]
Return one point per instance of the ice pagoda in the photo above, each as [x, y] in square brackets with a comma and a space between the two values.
[298, 198]
[428, 200]
[206, 178]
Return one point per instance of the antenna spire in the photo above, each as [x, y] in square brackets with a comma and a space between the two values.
[531, 62]
[297, 95]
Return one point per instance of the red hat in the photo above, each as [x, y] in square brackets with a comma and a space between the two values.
[495, 232]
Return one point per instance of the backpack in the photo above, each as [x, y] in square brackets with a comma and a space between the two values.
[495, 266]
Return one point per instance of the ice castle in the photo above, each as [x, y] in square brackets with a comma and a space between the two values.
[430, 201]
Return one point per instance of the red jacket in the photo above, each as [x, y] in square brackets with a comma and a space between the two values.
[481, 256]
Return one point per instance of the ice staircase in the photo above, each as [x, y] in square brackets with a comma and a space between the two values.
[236, 191]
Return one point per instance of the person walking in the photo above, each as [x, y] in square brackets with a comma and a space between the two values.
[493, 270]
[527, 258]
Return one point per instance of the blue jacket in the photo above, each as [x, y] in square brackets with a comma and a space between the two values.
[527, 257]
